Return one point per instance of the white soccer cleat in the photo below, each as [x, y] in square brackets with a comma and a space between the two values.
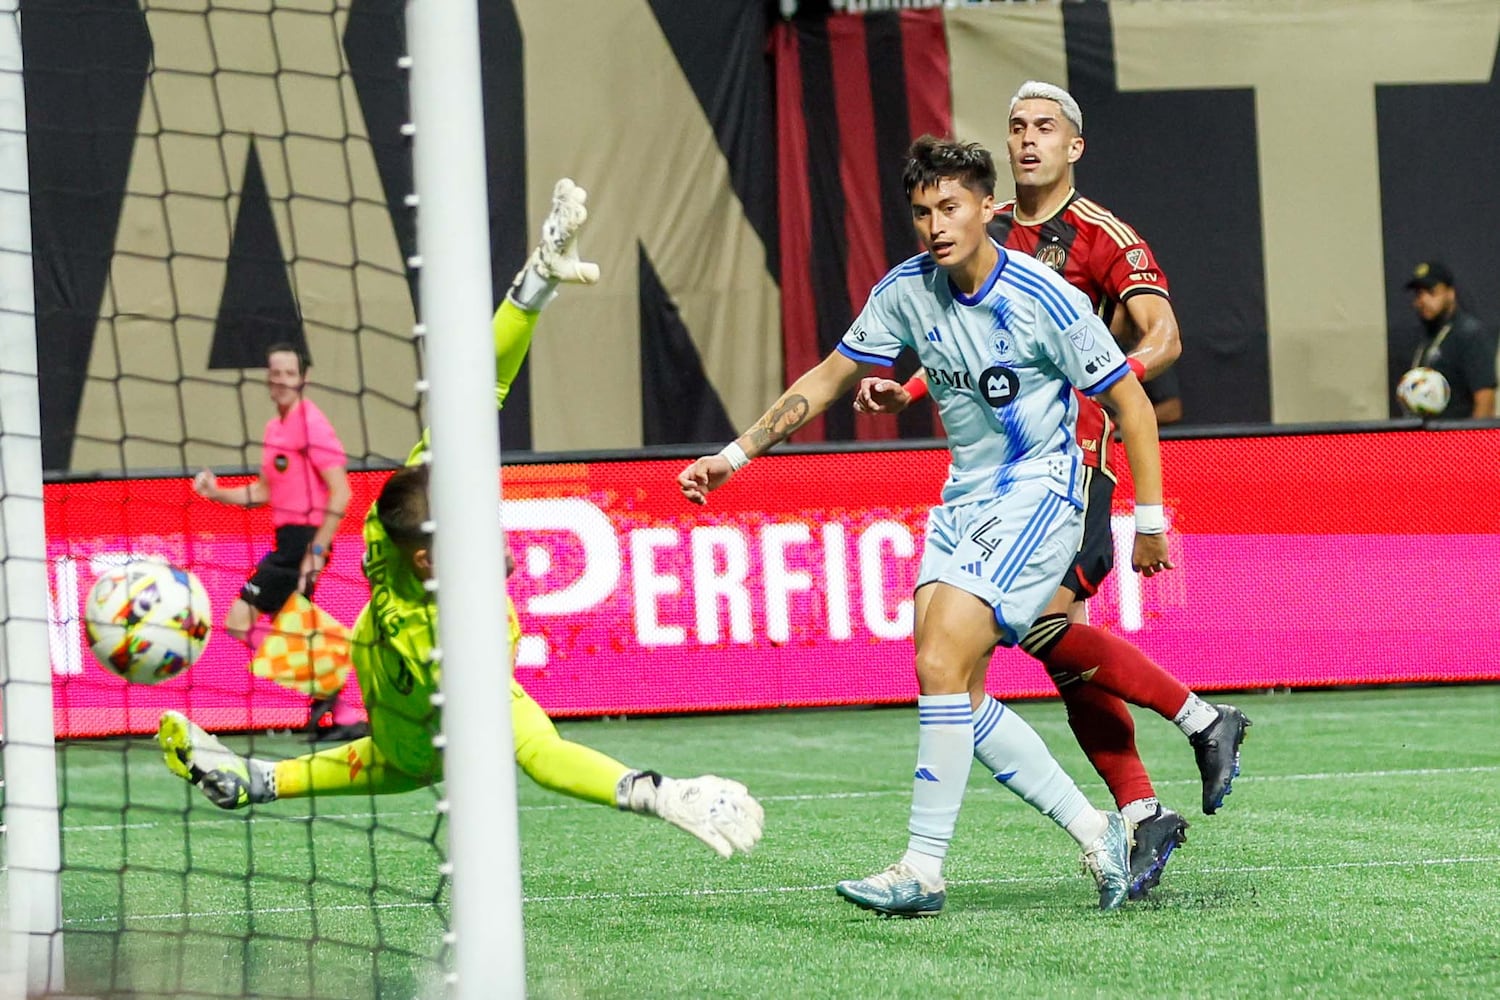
[556, 256]
[721, 813]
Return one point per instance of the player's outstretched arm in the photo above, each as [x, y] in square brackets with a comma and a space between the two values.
[1127, 403]
[720, 812]
[809, 396]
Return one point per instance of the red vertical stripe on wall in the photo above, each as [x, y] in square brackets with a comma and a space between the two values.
[929, 88]
[860, 180]
[924, 56]
[799, 318]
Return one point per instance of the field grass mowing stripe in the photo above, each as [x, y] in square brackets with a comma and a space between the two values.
[1415, 772]
[766, 890]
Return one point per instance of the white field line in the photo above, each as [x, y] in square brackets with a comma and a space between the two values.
[265, 816]
[597, 897]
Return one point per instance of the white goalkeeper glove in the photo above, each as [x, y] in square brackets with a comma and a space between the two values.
[556, 255]
[721, 813]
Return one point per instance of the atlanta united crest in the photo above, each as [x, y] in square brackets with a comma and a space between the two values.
[1054, 255]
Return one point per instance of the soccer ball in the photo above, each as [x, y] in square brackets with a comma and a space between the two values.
[1423, 391]
[147, 621]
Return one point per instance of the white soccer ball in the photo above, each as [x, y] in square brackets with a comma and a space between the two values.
[147, 621]
[1423, 391]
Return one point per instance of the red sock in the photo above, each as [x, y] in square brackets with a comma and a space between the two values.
[1105, 731]
[1116, 666]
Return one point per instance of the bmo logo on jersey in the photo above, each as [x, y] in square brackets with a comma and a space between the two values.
[999, 386]
[953, 380]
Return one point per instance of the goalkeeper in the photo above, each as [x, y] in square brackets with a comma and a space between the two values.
[394, 636]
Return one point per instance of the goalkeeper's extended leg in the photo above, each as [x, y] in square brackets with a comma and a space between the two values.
[232, 781]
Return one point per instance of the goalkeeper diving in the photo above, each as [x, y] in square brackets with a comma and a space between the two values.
[393, 641]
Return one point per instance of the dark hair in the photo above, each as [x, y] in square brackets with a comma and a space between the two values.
[282, 347]
[932, 160]
[402, 507]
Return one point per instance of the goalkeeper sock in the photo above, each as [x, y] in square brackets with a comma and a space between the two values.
[945, 742]
[1020, 761]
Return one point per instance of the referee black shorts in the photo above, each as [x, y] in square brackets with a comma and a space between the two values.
[275, 576]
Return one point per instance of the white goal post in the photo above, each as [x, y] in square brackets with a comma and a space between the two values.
[454, 280]
[456, 304]
[32, 956]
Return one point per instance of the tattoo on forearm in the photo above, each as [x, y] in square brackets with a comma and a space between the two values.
[776, 426]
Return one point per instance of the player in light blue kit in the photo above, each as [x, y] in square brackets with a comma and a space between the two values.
[1003, 340]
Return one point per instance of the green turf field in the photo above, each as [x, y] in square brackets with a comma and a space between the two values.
[1357, 857]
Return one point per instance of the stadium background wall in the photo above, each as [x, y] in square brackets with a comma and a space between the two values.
[793, 586]
[186, 212]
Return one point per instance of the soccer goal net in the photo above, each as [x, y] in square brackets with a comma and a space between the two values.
[231, 261]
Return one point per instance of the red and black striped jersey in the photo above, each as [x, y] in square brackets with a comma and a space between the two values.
[1102, 257]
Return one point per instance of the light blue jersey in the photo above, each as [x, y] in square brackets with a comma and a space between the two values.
[1001, 365]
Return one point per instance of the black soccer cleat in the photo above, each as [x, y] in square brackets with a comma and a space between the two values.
[1155, 840]
[1218, 751]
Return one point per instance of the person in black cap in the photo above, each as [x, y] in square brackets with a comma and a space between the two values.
[1454, 342]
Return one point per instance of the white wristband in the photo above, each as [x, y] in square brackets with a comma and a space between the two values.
[1150, 519]
[735, 455]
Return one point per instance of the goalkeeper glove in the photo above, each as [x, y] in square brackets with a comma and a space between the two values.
[556, 256]
[721, 813]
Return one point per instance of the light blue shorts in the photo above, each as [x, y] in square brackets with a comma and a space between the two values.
[1010, 552]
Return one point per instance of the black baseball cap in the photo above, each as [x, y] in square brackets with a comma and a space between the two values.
[1429, 274]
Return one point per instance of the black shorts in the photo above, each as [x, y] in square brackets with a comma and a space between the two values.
[275, 576]
[1096, 553]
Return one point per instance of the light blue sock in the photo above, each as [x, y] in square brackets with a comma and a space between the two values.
[945, 744]
[1020, 761]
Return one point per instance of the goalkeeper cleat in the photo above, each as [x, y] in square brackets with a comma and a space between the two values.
[229, 780]
[1108, 860]
[1217, 749]
[896, 892]
[556, 257]
[1155, 840]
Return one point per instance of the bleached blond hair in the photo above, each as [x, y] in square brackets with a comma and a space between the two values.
[1033, 90]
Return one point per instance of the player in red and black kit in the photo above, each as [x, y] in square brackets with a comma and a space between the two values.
[1096, 672]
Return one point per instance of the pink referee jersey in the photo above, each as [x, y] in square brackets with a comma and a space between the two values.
[296, 447]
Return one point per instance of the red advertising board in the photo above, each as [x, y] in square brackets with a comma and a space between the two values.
[1301, 561]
